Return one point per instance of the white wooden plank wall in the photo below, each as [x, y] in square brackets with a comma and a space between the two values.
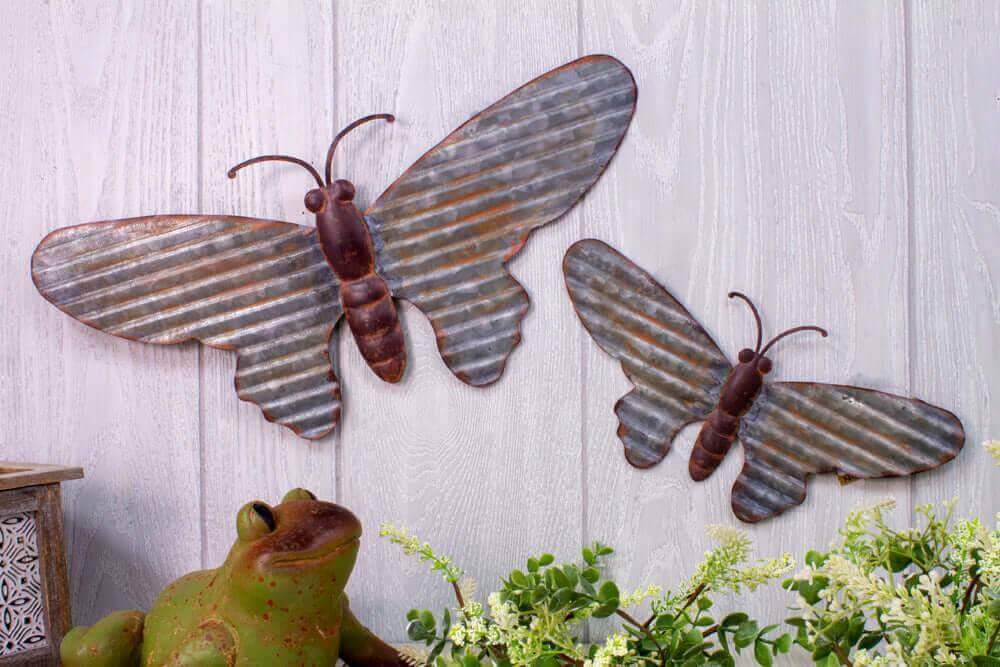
[839, 161]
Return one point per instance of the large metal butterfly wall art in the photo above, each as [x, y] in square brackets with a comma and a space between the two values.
[439, 237]
[789, 430]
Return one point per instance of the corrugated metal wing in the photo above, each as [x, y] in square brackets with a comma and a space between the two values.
[444, 230]
[796, 429]
[676, 367]
[260, 287]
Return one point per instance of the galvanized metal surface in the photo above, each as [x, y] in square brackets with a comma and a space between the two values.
[260, 287]
[800, 428]
[446, 227]
[442, 233]
[676, 367]
[793, 429]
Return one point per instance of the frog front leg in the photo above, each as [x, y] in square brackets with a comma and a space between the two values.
[359, 647]
[114, 641]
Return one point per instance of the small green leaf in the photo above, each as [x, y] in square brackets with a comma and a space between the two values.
[519, 579]
[532, 565]
[546, 559]
[898, 560]
[427, 620]
[704, 603]
[588, 556]
[783, 643]
[745, 635]
[605, 610]
[762, 654]
[608, 592]
[815, 559]
[733, 620]
[416, 631]
[821, 651]
[591, 574]
[436, 651]
[836, 630]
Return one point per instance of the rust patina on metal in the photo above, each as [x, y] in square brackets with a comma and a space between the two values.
[439, 237]
[789, 430]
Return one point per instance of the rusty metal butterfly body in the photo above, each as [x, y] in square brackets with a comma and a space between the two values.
[788, 430]
[439, 237]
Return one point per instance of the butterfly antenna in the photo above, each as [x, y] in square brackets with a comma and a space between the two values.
[756, 316]
[789, 332]
[277, 158]
[388, 117]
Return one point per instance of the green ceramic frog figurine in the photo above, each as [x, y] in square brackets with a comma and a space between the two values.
[277, 600]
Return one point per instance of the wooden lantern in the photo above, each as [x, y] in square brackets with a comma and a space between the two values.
[34, 594]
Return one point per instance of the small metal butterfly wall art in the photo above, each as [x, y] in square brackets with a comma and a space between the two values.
[788, 430]
[438, 237]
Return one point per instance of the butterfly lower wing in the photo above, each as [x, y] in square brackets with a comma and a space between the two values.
[796, 429]
[445, 229]
[260, 287]
[676, 367]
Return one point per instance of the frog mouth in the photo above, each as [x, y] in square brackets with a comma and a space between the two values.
[315, 556]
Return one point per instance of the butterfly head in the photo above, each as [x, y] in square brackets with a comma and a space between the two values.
[756, 357]
[341, 191]
[329, 191]
[759, 361]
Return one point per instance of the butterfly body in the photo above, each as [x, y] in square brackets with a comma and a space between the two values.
[368, 306]
[722, 425]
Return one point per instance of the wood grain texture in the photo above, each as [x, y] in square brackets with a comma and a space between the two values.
[763, 160]
[100, 121]
[837, 161]
[267, 87]
[955, 273]
[485, 474]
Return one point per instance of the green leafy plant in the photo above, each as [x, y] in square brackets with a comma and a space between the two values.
[921, 596]
[538, 616]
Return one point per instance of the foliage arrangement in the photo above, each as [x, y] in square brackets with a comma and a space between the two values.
[922, 596]
[538, 617]
[928, 595]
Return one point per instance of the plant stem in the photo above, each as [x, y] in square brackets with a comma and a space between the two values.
[993, 640]
[967, 598]
[841, 656]
[629, 619]
[458, 595]
[710, 631]
[699, 589]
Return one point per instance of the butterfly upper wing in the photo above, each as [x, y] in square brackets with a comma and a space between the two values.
[260, 287]
[445, 228]
[796, 429]
[675, 366]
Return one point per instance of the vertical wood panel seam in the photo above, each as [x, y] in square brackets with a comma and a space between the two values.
[909, 184]
[338, 440]
[582, 371]
[202, 502]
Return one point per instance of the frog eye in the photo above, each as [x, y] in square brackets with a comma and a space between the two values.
[299, 494]
[255, 520]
